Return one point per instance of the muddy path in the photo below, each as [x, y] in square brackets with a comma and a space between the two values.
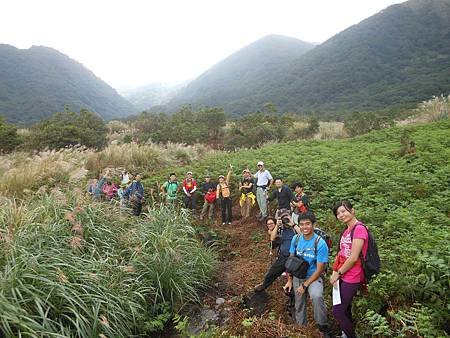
[244, 259]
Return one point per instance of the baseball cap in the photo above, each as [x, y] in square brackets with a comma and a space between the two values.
[189, 172]
[260, 163]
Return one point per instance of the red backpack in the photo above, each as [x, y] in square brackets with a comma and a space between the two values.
[210, 196]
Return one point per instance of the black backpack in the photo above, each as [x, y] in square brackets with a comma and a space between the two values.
[371, 263]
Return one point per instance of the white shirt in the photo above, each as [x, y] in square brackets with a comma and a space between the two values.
[263, 177]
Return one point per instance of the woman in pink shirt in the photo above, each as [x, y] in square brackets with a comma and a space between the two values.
[347, 269]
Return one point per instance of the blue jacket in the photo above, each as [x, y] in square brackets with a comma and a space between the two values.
[98, 188]
[136, 188]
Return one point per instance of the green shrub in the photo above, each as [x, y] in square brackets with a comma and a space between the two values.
[68, 129]
[9, 139]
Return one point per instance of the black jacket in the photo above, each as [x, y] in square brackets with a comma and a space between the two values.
[285, 196]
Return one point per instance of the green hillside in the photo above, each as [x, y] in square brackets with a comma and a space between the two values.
[399, 56]
[404, 199]
[37, 82]
[233, 80]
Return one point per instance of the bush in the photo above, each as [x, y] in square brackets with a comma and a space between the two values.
[68, 129]
[362, 123]
[9, 139]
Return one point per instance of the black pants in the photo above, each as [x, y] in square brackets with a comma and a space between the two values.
[137, 207]
[226, 209]
[189, 202]
[275, 270]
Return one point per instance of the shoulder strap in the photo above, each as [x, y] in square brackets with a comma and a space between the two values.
[316, 243]
[351, 238]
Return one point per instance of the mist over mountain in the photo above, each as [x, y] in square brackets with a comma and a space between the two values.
[39, 81]
[398, 56]
[153, 94]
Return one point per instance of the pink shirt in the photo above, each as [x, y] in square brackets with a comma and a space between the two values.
[356, 273]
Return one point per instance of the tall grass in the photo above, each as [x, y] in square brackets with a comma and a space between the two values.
[21, 172]
[148, 157]
[122, 279]
[331, 130]
[435, 109]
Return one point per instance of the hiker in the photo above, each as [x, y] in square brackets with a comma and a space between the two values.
[300, 204]
[125, 177]
[109, 190]
[97, 191]
[189, 187]
[314, 250]
[120, 193]
[135, 194]
[281, 231]
[210, 196]
[248, 198]
[170, 188]
[92, 184]
[263, 183]
[282, 193]
[224, 194]
[347, 269]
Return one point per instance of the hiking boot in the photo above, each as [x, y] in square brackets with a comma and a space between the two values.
[229, 223]
[259, 287]
[223, 223]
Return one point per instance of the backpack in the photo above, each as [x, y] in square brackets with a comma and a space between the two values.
[371, 263]
[169, 183]
[210, 196]
[327, 238]
[193, 183]
[320, 235]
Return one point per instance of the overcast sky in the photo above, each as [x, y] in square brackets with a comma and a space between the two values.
[134, 42]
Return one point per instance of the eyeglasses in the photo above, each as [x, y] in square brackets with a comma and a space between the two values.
[269, 223]
[259, 165]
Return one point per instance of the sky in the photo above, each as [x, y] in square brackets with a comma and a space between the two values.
[136, 42]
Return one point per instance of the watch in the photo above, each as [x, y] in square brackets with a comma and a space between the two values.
[304, 286]
[340, 273]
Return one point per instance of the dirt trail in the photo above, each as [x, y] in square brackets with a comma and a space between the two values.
[244, 260]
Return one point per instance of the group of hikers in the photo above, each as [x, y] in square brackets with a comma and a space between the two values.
[302, 257]
[302, 249]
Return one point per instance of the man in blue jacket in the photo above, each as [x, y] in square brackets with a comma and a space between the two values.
[135, 193]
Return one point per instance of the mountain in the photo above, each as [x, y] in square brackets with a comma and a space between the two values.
[153, 94]
[39, 81]
[231, 82]
[398, 56]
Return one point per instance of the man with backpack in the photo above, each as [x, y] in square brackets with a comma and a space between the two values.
[314, 250]
[300, 204]
[263, 182]
[170, 188]
[209, 192]
[135, 193]
[189, 188]
[248, 198]
[281, 231]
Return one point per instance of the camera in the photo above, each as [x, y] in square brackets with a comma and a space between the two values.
[285, 216]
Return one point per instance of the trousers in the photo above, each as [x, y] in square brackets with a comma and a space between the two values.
[315, 292]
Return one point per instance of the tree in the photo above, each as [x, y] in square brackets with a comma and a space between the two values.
[69, 128]
[9, 139]
[211, 120]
